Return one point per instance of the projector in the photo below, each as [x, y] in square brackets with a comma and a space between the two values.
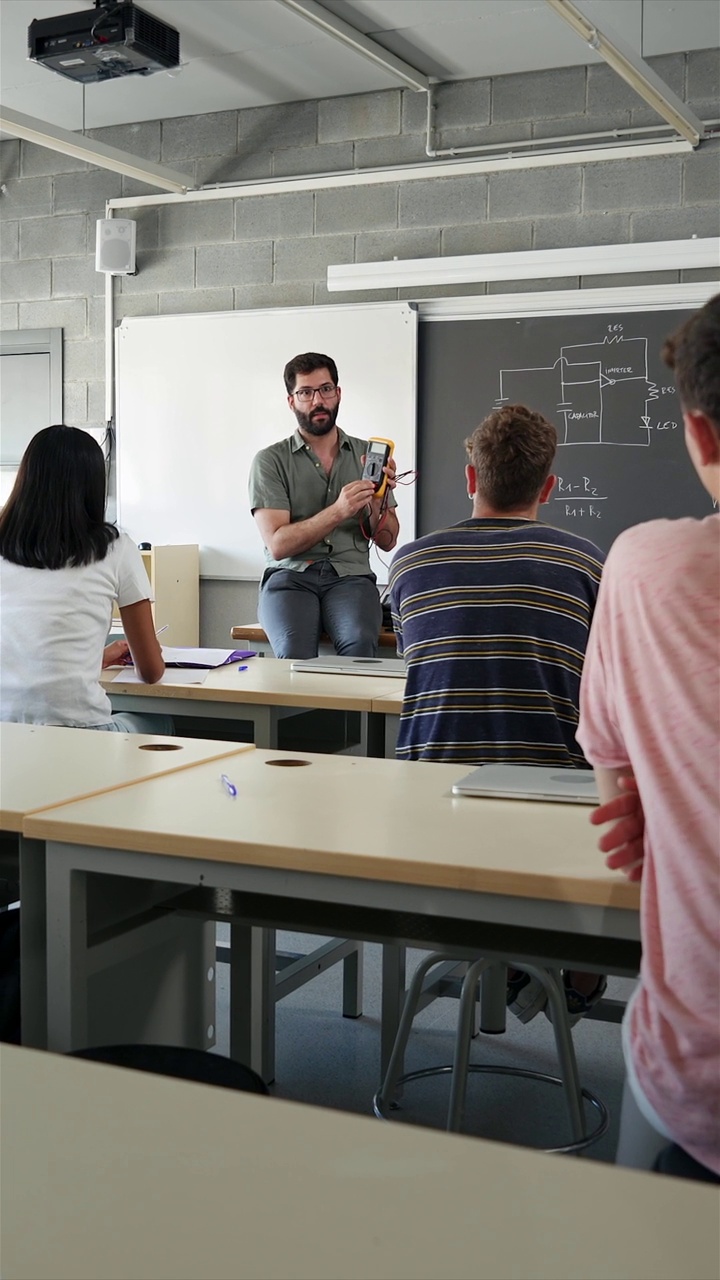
[114, 39]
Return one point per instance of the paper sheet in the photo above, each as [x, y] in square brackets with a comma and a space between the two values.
[129, 676]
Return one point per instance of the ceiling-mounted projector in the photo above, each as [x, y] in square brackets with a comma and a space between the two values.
[111, 40]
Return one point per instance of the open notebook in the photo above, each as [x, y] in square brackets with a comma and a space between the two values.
[530, 782]
[338, 665]
[203, 658]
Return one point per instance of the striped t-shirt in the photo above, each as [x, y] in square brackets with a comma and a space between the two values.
[492, 616]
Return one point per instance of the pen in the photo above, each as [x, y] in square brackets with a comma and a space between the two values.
[161, 629]
[228, 785]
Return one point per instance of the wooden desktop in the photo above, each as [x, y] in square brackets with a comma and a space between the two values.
[118, 1173]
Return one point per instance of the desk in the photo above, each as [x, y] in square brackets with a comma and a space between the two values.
[263, 694]
[367, 848]
[119, 1173]
[43, 766]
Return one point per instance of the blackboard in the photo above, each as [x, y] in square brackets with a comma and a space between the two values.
[197, 396]
[599, 378]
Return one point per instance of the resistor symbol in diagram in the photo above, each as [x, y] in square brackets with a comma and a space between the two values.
[595, 392]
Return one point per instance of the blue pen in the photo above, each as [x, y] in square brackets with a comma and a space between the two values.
[228, 785]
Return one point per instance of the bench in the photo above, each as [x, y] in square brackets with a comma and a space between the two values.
[253, 635]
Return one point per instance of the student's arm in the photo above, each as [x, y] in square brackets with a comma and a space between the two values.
[115, 653]
[137, 621]
[285, 539]
[620, 804]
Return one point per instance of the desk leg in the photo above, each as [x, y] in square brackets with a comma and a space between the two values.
[493, 999]
[393, 999]
[375, 739]
[252, 998]
[353, 983]
[67, 988]
[138, 977]
[265, 728]
[33, 957]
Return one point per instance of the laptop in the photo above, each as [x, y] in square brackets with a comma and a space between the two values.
[338, 665]
[530, 782]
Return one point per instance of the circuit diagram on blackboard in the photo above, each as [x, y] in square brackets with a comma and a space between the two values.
[602, 392]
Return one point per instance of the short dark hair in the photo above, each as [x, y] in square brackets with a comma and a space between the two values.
[55, 515]
[512, 452]
[693, 353]
[308, 363]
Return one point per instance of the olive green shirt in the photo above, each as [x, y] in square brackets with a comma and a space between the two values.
[288, 476]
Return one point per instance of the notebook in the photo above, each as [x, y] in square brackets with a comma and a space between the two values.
[530, 782]
[204, 658]
[338, 665]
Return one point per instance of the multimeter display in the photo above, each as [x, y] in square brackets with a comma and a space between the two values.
[379, 452]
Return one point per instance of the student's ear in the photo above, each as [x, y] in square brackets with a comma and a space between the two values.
[546, 490]
[471, 479]
[701, 438]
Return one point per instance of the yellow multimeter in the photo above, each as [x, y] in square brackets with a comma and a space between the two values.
[379, 453]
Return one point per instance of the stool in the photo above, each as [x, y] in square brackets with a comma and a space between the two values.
[492, 973]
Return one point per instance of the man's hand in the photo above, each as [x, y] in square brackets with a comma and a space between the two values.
[116, 654]
[623, 843]
[352, 498]
[389, 470]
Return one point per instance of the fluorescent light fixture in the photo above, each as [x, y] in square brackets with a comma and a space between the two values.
[354, 39]
[632, 68]
[527, 264]
[96, 153]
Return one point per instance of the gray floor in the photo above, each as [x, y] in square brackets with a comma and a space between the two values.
[328, 1060]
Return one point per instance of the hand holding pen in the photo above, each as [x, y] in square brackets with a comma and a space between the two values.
[118, 653]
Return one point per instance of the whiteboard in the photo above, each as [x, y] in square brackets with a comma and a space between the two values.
[198, 395]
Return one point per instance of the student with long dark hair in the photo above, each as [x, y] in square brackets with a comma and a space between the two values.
[62, 567]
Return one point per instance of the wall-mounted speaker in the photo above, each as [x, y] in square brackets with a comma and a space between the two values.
[115, 246]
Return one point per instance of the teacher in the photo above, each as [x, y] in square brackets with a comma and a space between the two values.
[317, 518]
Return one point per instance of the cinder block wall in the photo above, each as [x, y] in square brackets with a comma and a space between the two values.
[264, 251]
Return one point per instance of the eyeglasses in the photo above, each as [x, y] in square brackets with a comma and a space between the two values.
[306, 394]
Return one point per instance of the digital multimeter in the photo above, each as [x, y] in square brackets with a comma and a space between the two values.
[379, 452]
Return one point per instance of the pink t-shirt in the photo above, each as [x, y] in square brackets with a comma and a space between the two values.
[650, 697]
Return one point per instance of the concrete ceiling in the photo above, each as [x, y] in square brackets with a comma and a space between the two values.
[250, 53]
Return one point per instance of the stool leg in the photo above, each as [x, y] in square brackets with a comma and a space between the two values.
[552, 983]
[463, 1036]
[397, 1057]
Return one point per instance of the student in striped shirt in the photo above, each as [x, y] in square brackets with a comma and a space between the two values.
[492, 616]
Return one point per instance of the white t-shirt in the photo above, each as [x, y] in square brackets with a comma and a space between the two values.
[54, 625]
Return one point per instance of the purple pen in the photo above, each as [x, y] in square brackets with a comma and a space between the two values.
[229, 786]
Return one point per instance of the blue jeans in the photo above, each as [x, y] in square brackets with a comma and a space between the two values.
[137, 722]
[295, 608]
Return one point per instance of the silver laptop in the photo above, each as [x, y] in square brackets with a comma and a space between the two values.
[530, 782]
[338, 665]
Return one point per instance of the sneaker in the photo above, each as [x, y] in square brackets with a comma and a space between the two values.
[579, 1005]
[526, 996]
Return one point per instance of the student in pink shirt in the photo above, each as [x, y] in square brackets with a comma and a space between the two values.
[650, 710]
